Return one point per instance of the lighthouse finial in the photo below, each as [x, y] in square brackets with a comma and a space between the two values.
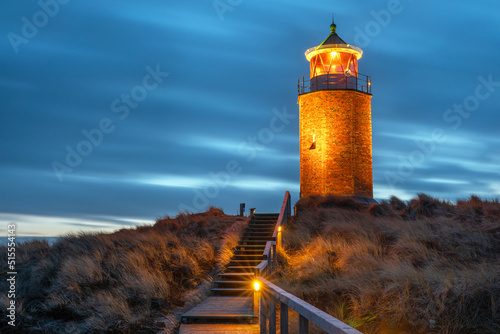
[333, 27]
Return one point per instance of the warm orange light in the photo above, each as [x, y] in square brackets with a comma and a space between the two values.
[256, 285]
[279, 228]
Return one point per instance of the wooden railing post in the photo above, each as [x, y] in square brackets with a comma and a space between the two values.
[275, 255]
[303, 325]
[283, 318]
[255, 301]
[263, 313]
[269, 262]
[272, 315]
[288, 208]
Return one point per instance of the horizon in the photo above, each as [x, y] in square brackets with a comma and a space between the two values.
[117, 114]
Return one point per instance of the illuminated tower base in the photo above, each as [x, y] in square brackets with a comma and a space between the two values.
[336, 143]
[335, 123]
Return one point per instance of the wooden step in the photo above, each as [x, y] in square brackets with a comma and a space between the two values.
[257, 237]
[258, 251]
[218, 318]
[225, 309]
[233, 284]
[236, 276]
[220, 328]
[251, 246]
[263, 229]
[246, 257]
[252, 263]
[268, 236]
[260, 225]
[253, 242]
[258, 233]
[246, 262]
[239, 269]
[265, 215]
[232, 291]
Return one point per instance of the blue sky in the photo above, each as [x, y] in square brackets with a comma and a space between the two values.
[169, 105]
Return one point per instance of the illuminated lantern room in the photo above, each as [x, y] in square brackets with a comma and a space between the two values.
[334, 56]
[334, 65]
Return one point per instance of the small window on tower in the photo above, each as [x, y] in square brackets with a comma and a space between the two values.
[313, 145]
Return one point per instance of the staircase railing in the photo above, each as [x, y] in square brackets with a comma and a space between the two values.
[270, 294]
[265, 268]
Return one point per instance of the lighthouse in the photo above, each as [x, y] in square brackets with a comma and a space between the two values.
[335, 122]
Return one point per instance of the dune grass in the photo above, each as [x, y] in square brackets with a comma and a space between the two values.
[122, 282]
[426, 266]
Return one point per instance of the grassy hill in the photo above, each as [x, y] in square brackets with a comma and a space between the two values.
[426, 266]
[125, 282]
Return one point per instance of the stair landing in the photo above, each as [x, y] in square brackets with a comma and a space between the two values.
[222, 307]
[220, 329]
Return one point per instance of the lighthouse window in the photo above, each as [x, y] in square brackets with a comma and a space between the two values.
[334, 63]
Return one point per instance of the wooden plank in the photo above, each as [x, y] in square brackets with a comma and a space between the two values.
[303, 325]
[283, 318]
[219, 329]
[261, 266]
[222, 307]
[275, 256]
[267, 250]
[272, 315]
[262, 313]
[321, 319]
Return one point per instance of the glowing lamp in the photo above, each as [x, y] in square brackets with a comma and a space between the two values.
[279, 228]
[256, 285]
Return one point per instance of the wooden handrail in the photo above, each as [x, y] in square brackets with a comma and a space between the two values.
[321, 319]
[284, 213]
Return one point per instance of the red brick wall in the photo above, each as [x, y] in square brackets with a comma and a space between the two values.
[341, 163]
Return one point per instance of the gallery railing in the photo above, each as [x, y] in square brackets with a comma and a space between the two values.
[361, 83]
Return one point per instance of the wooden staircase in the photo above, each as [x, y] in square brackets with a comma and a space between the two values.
[239, 274]
[232, 303]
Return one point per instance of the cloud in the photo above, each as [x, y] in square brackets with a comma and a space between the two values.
[226, 77]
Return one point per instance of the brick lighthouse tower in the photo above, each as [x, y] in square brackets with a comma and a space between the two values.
[335, 122]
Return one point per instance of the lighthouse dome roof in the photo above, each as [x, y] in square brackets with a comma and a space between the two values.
[333, 43]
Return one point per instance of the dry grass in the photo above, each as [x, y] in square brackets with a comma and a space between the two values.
[121, 282]
[382, 272]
